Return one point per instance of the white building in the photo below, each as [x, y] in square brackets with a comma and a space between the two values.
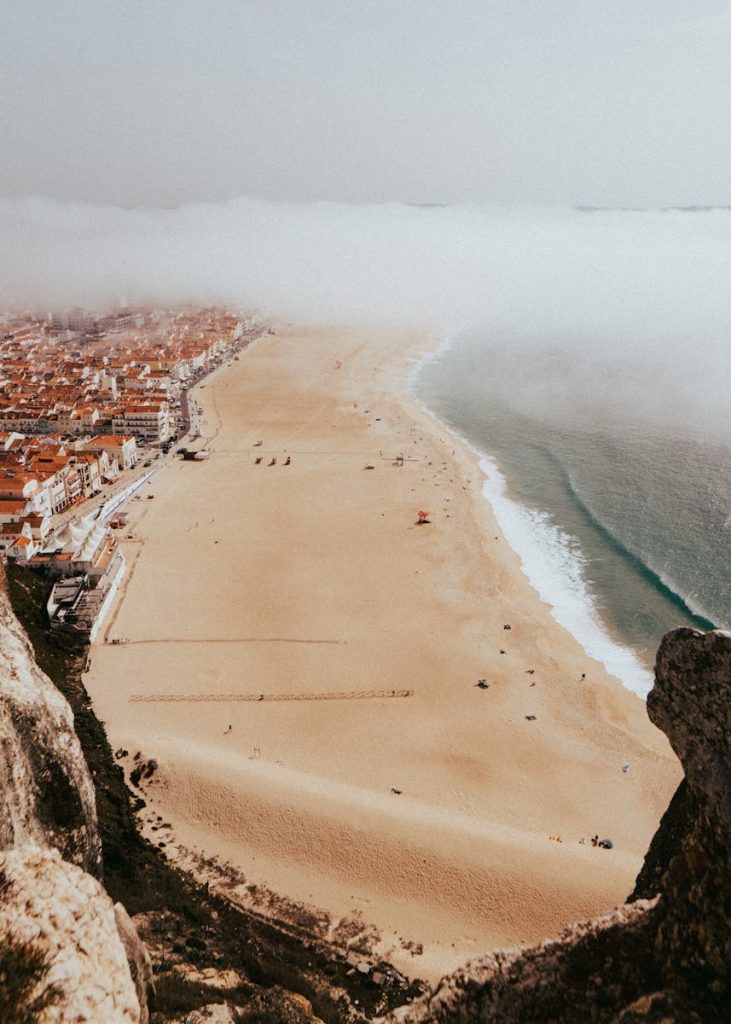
[119, 447]
[85, 546]
[147, 422]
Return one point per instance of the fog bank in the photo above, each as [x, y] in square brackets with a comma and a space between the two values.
[632, 289]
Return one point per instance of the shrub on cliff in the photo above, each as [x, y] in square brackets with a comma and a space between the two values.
[23, 994]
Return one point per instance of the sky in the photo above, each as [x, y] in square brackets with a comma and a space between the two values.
[550, 102]
[291, 158]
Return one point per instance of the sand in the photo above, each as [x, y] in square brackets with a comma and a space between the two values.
[426, 817]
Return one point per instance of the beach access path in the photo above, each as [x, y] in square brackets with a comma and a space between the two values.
[302, 660]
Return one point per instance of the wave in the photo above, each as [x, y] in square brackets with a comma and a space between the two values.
[555, 566]
[631, 558]
[551, 559]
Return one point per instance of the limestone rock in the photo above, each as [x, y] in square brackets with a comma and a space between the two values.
[66, 914]
[213, 977]
[138, 959]
[274, 1003]
[213, 1013]
[288, 1006]
[46, 791]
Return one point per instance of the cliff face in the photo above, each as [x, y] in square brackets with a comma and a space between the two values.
[52, 906]
[63, 912]
[676, 825]
[664, 960]
[46, 792]
[691, 703]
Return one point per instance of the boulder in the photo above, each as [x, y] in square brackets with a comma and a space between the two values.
[64, 914]
[138, 959]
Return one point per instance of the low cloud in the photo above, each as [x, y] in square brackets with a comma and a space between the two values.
[642, 294]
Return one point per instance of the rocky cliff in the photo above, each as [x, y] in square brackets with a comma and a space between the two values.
[63, 913]
[54, 913]
[662, 960]
[46, 792]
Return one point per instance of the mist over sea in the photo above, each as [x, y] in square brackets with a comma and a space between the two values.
[621, 511]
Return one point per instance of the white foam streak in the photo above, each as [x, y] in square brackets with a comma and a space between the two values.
[550, 558]
[554, 564]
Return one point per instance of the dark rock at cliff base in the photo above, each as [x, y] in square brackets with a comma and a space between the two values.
[665, 960]
[676, 825]
[691, 703]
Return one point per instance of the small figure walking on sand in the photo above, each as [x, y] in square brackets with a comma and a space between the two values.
[228, 730]
[274, 461]
[288, 462]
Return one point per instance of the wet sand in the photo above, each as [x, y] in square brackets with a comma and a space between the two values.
[425, 814]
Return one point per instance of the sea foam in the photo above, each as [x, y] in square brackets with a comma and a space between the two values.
[554, 564]
[551, 559]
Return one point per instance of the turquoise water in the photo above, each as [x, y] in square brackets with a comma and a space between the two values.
[637, 508]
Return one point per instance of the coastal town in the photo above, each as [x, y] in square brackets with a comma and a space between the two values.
[88, 405]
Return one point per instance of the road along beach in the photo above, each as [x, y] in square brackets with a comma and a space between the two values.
[302, 662]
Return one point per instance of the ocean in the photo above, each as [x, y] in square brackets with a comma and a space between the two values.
[616, 497]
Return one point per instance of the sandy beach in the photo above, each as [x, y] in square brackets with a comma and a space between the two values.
[302, 662]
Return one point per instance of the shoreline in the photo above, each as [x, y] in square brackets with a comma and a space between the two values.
[573, 606]
[332, 795]
[551, 566]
